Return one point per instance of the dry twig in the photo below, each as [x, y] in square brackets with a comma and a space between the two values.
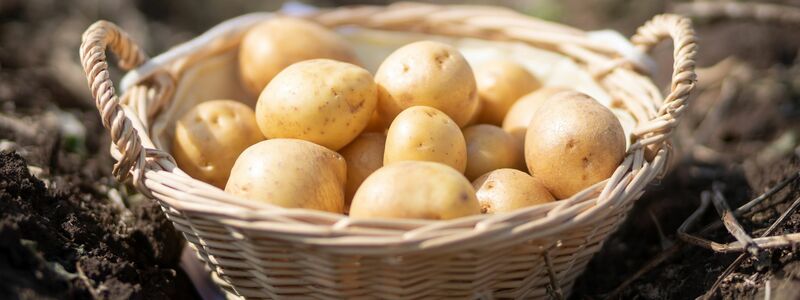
[741, 257]
[745, 208]
[729, 220]
[665, 242]
[705, 197]
[737, 246]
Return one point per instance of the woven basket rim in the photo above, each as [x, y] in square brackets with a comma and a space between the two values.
[154, 172]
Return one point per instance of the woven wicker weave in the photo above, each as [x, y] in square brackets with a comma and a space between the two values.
[262, 251]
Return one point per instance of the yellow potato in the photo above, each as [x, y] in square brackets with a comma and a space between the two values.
[376, 124]
[489, 148]
[519, 116]
[430, 74]
[475, 115]
[273, 45]
[425, 133]
[506, 190]
[210, 136]
[500, 83]
[363, 156]
[320, 100]
[290, 173]
[415, 190]
[572, 143]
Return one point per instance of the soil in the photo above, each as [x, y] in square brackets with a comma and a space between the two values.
[69, 241]
[67, 229]
[753, 146]
[690, 271]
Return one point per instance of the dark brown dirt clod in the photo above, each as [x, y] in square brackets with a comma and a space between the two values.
[47, 233]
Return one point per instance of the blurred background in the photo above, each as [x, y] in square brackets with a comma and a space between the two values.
[68, 230]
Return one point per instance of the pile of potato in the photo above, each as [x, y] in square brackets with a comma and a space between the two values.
[405, 143]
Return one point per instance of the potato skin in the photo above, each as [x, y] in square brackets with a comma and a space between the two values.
[573, 142]
[363, 156]
[500, 84]
[506, 190]
[210, 136]
[489, 148]
[473, 119]
[376, 124]
[415, 190]
[426, 134]
[430, 74]
[520, 114]
[290, 173]
[273, 45]
[320, 100]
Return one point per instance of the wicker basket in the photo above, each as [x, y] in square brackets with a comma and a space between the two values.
[261, 251]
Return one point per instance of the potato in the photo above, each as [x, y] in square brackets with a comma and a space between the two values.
[473, 119]
[363, 156]
[210, 136]
[430, 74]
[415, 190]
[506, 190]
[519, 116]
[320, 100]
[273, 45]
[425, 133]
[572, 143]
[500, 83]
[376, 124]
[290, 173]
[489, 148]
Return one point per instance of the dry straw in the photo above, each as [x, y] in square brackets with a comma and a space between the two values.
[261, 251]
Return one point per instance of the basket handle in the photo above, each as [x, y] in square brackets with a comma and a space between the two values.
[96, 39]
[680, 30]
